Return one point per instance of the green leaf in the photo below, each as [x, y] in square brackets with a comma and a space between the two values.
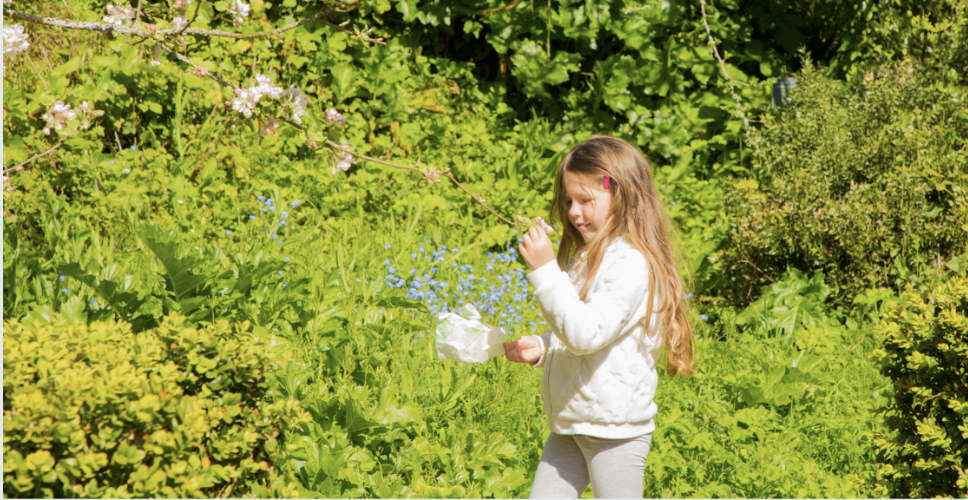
[344, 81]
[181, 277]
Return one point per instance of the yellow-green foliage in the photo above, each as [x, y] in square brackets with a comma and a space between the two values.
[926, 355]
[98, 411]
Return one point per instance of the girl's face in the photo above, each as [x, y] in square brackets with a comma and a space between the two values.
[586, 204]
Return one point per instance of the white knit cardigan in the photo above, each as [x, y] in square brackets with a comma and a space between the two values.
[600, 357]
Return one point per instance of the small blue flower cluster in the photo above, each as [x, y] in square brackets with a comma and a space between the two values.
[500, 293]
[269, 206]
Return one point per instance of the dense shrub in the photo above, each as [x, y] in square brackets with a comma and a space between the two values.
[863, 181]
[96, 410]
[926, 356]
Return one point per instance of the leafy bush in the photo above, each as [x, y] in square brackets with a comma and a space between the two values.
[926, 356]
[863, 181]
[790, 305]
[97, 410]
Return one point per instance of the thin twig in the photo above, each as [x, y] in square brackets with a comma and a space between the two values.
[729, 82]
[183, 58]
[145, 33]
[412, 168]
[31, 61]
[198, 7]
[137, 19]
[497, 10]
[45, 153]
[451, 177]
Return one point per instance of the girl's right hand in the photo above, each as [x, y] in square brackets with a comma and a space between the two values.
[524, 350]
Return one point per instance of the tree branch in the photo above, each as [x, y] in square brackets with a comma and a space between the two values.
[37, 156]
[144, 33]
[729, 82]
[78, 25]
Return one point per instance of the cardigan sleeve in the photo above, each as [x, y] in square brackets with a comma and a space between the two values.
[614, 304]
[544, 340]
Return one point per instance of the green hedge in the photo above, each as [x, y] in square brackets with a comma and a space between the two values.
[98, 411]
[926, 356]
[862, 180]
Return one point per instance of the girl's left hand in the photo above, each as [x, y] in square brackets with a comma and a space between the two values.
[536, 248]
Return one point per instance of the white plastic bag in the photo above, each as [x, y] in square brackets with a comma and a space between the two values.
[462, 337]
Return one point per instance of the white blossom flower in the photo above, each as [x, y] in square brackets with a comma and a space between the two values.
[240, 11]
[60, 115]
[57, 116]
[343, 162]
[14, 40]
[154, 63]
[300, 102]
[119, 15]
[246, 101]
[334, 115]
[179, 23]
[268, 88]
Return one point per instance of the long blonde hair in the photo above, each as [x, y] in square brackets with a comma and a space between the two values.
[637, 213]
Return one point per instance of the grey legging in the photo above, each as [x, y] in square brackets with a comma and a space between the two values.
[615, 467]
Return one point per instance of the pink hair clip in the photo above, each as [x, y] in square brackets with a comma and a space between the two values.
[606, 182]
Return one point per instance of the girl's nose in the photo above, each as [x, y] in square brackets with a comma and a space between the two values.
[574, 211]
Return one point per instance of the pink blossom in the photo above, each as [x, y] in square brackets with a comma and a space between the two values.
[179, 23]
[548, 229]
[269, 128]
[432, 176]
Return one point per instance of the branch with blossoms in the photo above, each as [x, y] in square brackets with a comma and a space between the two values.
[120, 21]
[267, 104]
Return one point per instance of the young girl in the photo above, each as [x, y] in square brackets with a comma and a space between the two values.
[600, 356]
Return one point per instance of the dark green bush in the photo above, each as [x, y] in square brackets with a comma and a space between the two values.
[98, 411]
[926, 356]
[862, 180]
